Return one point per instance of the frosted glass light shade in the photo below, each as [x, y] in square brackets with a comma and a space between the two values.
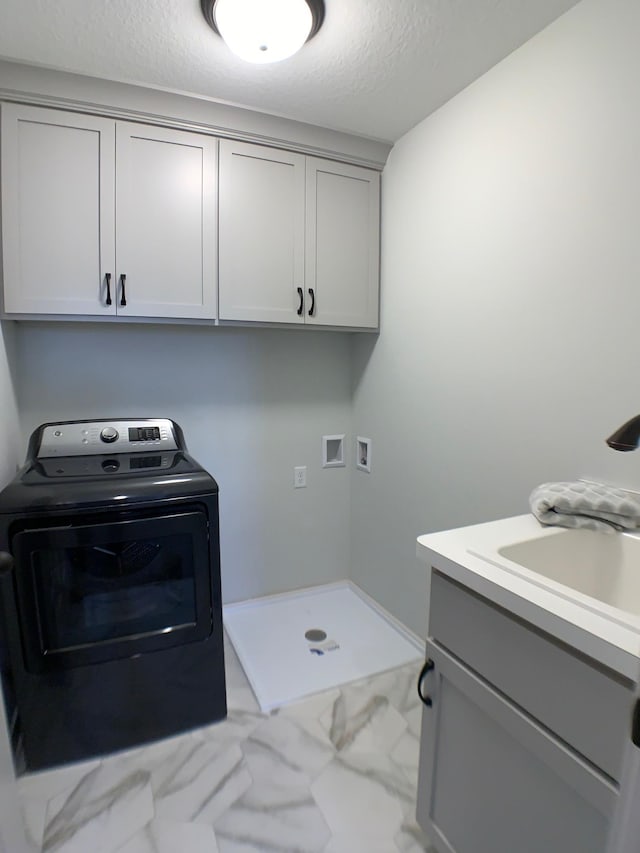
[263, 31]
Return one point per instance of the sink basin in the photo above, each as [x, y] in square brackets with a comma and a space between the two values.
[597, 570]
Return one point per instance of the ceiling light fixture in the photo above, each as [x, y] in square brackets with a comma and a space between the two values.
[264, 31]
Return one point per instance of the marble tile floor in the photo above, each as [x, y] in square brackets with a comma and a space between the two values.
[334, 773]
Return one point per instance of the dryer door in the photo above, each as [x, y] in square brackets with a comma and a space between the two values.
[93, 592]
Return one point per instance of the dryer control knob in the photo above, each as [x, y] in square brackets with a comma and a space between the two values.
[109, 434]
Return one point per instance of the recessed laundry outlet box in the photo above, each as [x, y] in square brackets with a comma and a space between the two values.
[363, 454]
[333, 451]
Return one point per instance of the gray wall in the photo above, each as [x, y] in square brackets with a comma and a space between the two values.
[252, 403]
[12, 836]
[510, 298]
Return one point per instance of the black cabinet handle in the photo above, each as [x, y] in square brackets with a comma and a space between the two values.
[301, 305]
[313, 302]
[429, 665]
[6, 564]
[108, 278]
[123, 294]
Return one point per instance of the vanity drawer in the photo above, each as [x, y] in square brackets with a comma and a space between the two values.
[585, 704]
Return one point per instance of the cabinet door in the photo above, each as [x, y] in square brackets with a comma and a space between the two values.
[57, 211]
[493, 781]
[261, 234]
[342, 244]
[165, 222]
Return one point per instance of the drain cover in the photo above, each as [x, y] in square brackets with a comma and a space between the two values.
[315, 635]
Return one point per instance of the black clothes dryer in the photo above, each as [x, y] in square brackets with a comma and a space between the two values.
[111, 629]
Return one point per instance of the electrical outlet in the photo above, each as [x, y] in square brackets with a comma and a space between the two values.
[300, 477]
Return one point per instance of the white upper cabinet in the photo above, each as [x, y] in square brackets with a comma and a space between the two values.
[165, 222]
[57, 211]
[299, 239]
[103, 217]
[342, 244]
[261, 206]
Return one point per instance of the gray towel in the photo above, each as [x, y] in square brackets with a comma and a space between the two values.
[590, 505]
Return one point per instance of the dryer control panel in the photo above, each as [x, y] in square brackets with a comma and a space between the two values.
[90, 438]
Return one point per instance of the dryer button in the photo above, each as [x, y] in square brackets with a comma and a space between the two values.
[109, 435]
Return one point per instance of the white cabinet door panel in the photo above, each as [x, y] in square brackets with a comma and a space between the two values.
[342, 260]
[492, 780]
[165, 222]
[57, 211]
[261, 233]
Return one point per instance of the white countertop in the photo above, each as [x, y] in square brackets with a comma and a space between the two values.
[455, 553]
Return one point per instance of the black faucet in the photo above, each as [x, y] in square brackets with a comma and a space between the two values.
[626, 437]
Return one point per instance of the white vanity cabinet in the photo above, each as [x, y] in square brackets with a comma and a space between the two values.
[522, 740]
[299, 239]
[103, 217]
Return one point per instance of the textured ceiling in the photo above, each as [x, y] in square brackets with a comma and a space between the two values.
[376, 68]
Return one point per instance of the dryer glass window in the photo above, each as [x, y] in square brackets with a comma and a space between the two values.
[106, 590]
[98, 593]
